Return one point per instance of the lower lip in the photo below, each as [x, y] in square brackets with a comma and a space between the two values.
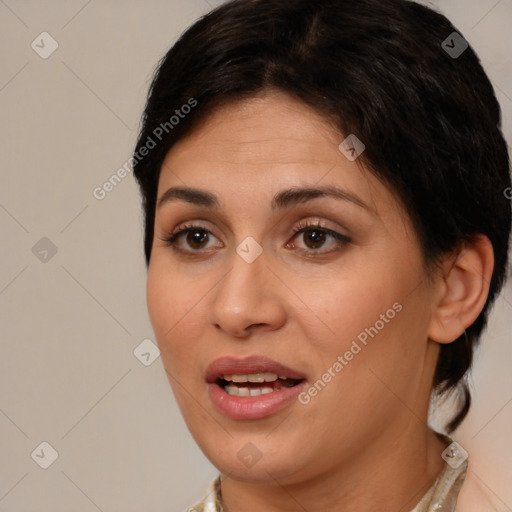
[253, 407]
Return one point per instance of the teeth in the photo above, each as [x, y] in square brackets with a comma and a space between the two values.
[253, 377]
[237, 378]
[241, 391]
[237, 390]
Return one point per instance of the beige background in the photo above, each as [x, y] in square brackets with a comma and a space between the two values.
[70, 323]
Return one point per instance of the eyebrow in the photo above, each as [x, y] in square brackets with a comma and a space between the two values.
[282, 200]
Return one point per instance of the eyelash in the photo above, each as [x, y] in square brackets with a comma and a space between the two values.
[341, 240]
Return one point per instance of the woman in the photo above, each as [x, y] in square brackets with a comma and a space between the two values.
[326, 230]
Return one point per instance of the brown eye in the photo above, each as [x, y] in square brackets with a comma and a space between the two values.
[315, 237]
[196, 237]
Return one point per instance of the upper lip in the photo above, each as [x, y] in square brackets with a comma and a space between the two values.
[231, 365]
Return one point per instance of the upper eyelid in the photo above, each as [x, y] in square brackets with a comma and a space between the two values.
[340, 217]
[338, 243]
[298, 228]
[311, 222]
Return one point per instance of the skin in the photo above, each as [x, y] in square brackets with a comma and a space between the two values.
[361, 444]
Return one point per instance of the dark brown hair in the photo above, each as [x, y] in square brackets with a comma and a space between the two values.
[379, 69]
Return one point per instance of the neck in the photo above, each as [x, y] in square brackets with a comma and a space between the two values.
[393, 478]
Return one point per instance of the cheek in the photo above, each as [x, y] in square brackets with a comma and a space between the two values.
[382, 342]
[371, 319]
[344, 305]
[174, 310]
[161, 299]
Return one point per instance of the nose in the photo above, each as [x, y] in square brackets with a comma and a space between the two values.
[247, 298]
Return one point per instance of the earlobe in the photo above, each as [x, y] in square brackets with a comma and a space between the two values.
[463, 290]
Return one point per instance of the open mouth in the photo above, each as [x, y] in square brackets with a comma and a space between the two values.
[255, 384]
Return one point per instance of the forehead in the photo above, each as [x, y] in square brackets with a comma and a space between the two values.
[250, 150]
[272, 134]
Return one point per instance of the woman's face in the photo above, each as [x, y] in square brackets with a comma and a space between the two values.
[341, 310]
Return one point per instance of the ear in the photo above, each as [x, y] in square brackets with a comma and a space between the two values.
[462, 289]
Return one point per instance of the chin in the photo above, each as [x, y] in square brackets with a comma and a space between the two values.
[247, 459]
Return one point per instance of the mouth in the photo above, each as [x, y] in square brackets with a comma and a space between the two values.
[255, 384]
[252, 387]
